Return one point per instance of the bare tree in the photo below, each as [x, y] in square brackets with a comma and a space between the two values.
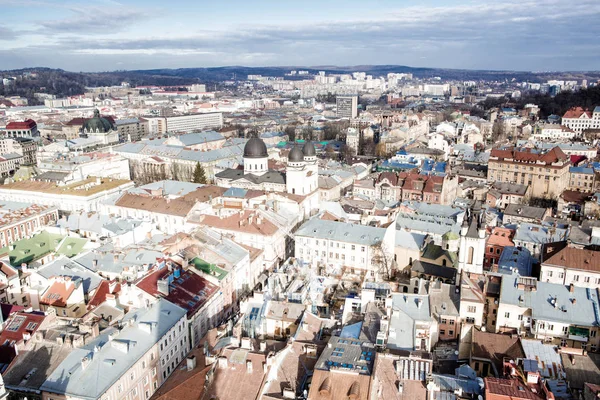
[383, 261]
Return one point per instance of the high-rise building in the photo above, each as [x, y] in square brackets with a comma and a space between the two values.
[347, 106]
[192, 122]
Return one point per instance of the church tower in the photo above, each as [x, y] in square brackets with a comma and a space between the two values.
[472, 242]
[255, 157]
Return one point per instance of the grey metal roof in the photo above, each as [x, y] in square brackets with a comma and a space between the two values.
[524, 211]
[341, 232]
[409, 240]
[583, 312]
[546, 355]
[63, 266]
[346, 353]
[109, 360]
[190, 139]
[538, 234]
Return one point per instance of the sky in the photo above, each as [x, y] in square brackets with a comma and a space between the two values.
[107, 35]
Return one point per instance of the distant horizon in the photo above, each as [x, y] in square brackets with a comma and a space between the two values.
[341, 68]
[109, 35]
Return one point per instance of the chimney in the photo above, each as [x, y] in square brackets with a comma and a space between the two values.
[95, 263]
[249, 366]
[263, 346]
[85, 361]
[222, 362]
[571, 288]
[191, 363]
[111, 300]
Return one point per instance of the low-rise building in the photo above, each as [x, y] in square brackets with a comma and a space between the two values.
[565, 264]
[133, 361]
[563, 315]
[547, 174]
[339, 244]
[25, 129]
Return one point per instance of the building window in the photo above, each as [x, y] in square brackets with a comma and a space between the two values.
[471, 309]
[506, 315]
[442, 332]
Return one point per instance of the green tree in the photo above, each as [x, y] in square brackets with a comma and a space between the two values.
[199, 174]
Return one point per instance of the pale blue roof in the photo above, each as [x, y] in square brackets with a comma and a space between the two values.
[190, 139]
[515, 259]
[581, 170]
[170, 187]
[109, 360]
[583, 312]
[341, 231]
[536, 233]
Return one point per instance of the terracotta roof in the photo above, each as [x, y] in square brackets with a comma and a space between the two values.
[184, 384]
[577, 112]
[510, 388]
[525, 155]
[234, 381]
[180, 206]
[27, 124]
[76, 121]
[20, 323]
[562, 255]
[501, 237]
[244, 221]
[329, 385]
[59, 292]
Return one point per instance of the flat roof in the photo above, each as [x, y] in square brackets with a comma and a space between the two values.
[76, 189]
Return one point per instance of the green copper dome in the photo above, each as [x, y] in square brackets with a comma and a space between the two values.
[98, 124]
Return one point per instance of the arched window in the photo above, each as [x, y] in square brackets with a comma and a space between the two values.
[470, 255]
[444, 262]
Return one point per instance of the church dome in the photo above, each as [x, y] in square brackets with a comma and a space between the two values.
[98, 124]
[309, 149]
[255, 148]
[296, 155]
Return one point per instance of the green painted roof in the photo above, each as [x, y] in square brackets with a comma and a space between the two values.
[32, 249]
[209, 269]
[450, 235]
[71, 246]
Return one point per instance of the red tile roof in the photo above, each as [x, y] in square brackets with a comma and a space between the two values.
[190, 291]
[20, 323]
[552, 156]
[577, 112]
[59, 292]
[510, 388]
[103, 289]
[27, 124]
[562, 255]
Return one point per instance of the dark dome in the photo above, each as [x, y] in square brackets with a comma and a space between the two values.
[309, 149]
[98, 124]
[296, 155]
[255, 148]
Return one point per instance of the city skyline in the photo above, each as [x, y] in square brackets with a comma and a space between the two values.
[106, 35]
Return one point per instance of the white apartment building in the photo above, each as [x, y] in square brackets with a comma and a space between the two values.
[346, 106]
[565, 265]
[194, 122]
[554, 133]
[552, 312]
[579, 119]
[338, 244]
